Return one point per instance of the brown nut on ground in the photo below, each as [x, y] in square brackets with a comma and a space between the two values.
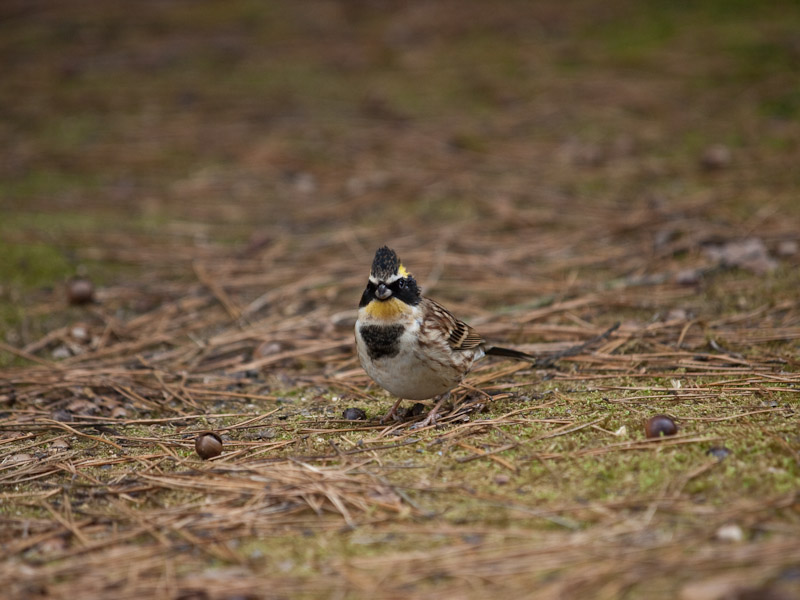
[80, 290]
[208, 445]
[660, 425]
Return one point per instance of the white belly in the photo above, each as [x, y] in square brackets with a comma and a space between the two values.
[409, 374]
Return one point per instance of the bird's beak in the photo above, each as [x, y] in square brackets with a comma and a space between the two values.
[383, 292]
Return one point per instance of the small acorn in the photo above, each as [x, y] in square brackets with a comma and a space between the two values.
[716, 157]
[660, 425]
[354, 414]
[208, 445]
[59, 445]
[118, 412]
[80, 290]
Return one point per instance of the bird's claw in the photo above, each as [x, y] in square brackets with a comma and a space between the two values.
[429, 420]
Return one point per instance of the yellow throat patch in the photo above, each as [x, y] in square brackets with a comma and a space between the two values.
[387, 310]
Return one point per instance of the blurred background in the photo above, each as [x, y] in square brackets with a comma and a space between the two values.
[566, 144]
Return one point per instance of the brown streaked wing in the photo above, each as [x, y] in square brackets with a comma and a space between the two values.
[460, 336]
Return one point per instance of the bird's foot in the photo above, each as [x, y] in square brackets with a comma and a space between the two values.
[433, 415]
[429, 420]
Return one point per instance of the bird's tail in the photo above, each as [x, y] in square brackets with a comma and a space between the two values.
[509, 353]
[548, 360]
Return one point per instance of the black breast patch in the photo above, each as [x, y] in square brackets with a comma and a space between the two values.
[382, 340]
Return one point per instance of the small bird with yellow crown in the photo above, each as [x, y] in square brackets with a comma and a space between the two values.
[410, 345]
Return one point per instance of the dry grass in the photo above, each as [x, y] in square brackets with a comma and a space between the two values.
[543, 190]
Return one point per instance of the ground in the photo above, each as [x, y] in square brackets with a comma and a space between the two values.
[222, 174]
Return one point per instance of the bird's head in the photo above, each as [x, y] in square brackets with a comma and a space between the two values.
[389, 281]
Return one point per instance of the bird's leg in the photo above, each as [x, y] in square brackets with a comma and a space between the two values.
[392, 414]
[434, 413]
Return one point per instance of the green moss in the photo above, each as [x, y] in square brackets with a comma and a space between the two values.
[783, 104]
[32, 264]
[43, 182]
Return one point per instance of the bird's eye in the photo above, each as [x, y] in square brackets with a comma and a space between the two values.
[401, 283]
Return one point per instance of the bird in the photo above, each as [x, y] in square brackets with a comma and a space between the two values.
[410, 345]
